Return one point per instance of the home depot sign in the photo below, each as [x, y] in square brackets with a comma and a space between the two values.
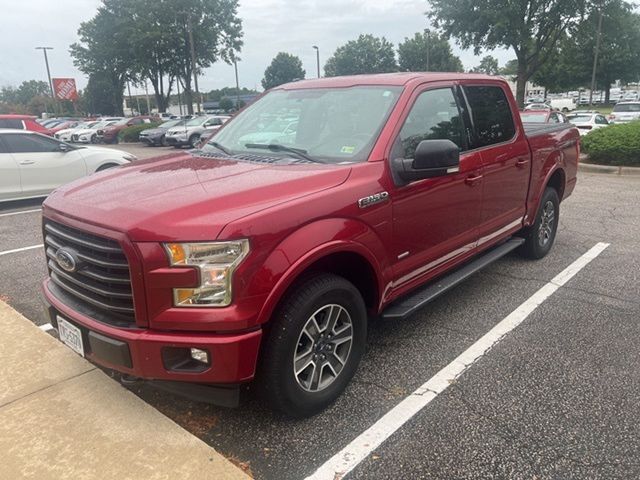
[65, 89]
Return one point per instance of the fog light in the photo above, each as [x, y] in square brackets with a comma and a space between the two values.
[199, 355]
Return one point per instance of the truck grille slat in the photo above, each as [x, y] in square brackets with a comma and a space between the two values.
[100, 282]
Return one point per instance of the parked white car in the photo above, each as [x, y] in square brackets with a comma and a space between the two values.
[90, 135]
[588, 121]
[65, 135]
[625, 112]
[33, 165]
[190, 132]
[537, 106]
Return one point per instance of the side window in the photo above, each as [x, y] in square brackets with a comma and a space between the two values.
[11, 123]
[23, 143]
[601, 120]
[3, 147]
[434, 116]
[491, 115]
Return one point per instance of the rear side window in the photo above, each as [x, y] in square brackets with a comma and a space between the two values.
[11, 123]
[434, 116]
[28, 143]
[491, 115]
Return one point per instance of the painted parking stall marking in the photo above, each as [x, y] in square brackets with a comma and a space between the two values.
[10, 214]
[16, 250]
[355, 452]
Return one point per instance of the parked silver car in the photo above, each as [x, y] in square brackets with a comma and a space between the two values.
[190, 132]
[625, 112]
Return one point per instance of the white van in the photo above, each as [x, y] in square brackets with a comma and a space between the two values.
[563, 104]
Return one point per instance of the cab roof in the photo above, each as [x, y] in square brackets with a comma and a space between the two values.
[391, 79]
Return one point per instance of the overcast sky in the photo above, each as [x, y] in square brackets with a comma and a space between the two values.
[270, 26]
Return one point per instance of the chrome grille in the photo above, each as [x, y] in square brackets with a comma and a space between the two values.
[100, 284]
[74, 137]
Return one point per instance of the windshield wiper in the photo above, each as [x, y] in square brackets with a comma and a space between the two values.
[220, 147]
[276, 147]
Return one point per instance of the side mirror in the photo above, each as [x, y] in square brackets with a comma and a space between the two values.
[432, 158]
[63, 147]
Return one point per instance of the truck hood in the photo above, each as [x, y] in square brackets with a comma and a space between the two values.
[183, 197]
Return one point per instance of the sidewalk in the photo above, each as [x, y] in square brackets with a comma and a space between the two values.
[60, 418]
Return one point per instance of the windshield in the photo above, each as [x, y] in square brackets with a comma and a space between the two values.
[579, 118]
[172, 123]
[102, 124]
[328, 124]
[195, 122]
[534, 117]
[627, 107]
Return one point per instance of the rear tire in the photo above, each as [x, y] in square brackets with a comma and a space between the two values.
[540, 236]
[193, 140]
[316, 341]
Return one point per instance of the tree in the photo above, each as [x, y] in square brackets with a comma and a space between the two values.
[532, 29]
[226, 104]
[367, 54]
[284, 68]
[427, 52]
[488, 65]
[571, 64]
[100, 96]
[510, 68]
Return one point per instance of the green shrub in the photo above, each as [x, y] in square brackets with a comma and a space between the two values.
[130, 134]
[614, 145]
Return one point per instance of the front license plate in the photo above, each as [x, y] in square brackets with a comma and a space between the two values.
[71, 336]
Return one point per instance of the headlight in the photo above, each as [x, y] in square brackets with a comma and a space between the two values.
[215, 262]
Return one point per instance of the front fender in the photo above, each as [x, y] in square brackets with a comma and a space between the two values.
[310, 243]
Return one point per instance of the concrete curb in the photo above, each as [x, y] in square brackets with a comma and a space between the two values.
[608, 169]
[60, 417]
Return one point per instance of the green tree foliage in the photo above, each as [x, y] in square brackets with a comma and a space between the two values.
[488, 65]
[284, 68]
[427, 52]
[216, 95]
[571, 64]
[510, 68]
[367, 54]
[32, 97]
[101, 97]
[226, 104]
[530, 28]
[149, 39]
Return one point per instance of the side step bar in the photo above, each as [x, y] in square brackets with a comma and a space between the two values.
[417, 299]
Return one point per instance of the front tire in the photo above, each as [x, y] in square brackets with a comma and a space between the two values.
[540, 236]
[317, 338]
[193, 140]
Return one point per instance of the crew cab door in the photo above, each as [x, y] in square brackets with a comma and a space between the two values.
[9, 174]
[43, 166]
[435, 220]
[506, 160]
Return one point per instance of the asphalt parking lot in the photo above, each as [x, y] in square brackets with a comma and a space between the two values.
[557, 398]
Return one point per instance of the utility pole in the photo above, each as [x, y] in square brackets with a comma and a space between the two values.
[146, 92]
[235, 66]
[315, 47]
[428, 42]
[179, 99]
[193, 60]
[130, 101]
[595, 58]
[46, 62]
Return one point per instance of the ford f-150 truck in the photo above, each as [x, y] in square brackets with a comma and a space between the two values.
[261, 258]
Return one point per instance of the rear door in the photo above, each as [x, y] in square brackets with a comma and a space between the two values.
[435, 220]
[9, 174]
[506, 160]
[43, 167]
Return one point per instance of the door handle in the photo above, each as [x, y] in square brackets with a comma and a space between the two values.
[472, 179]
[522, 162]
[27, 162]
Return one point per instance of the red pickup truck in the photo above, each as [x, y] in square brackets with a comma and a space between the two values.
[326, 202]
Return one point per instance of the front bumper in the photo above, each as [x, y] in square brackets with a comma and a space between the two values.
[177, 140]
[142, 353]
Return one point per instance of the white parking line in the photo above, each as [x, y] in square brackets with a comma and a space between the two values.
[46, 327]
[350, 456]
[20, 213]
[16, 250]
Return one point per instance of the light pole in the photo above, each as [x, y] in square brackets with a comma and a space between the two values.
[315, 47]
[235, 66]
[46, 62]
[595, 59]
[193, 60]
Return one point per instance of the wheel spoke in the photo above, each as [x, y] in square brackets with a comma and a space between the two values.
[343, 335]
[303, 361]
[334, 314]
[315, 377]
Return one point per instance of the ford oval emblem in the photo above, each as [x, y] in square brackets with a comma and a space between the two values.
[66, 260]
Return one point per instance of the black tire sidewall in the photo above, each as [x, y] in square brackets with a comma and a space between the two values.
[290, 319]
[537, 250]
[193, 140]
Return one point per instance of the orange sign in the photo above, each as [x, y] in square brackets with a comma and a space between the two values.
[65, 89]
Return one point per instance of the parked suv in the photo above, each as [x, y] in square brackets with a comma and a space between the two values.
[625, 112]
[190, 132]
[266, 258]
[156, 136]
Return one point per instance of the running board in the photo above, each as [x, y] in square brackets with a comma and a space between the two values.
[417, 299]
